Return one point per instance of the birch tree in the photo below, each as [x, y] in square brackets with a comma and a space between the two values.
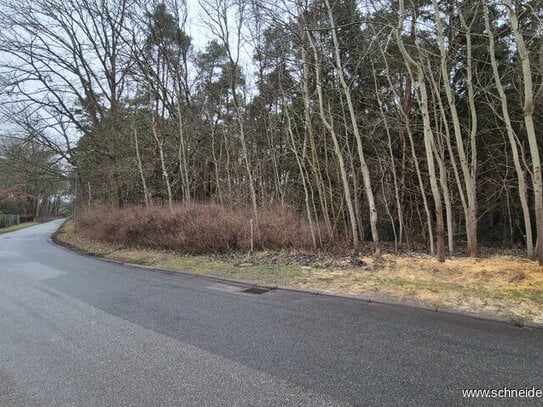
[511, 135]
[528, 109]
[354, 123]
[468, 165]
[422, 97]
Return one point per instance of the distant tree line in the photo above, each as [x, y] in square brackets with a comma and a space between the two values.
[409, 122]
[32, 183]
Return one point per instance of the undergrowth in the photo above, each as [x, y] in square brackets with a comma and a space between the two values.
[197, 228]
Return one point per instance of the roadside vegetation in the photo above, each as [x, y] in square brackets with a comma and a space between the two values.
[501, 285]
[197, 228]
[18, 227]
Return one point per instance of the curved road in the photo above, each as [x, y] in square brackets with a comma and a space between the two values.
[77, 331]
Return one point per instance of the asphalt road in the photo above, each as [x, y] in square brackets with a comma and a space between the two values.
[76, 331]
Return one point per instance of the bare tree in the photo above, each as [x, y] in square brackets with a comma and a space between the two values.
[422, 97]
[513, 139]
[226, 22]
[528, 109]
[467, 164]
[354, 122]
[64, 68]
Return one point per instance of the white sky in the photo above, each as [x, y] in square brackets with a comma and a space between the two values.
[195, 25]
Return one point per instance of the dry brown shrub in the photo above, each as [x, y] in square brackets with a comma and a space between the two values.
[197, 228]
[282, 227]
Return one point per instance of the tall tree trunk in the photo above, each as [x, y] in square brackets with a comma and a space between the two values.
[530, 127]
[428, 145]
[521, 174]
[422, 97]
[468, 171]
[444, 182]
[328, 123]
[406, 128]
[160, 144]
[399, 210]
[304, 181]
[364, 167]
[309, 139]
[146, 194]
[182, 154]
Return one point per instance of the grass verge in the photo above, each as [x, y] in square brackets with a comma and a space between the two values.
[501, 286]
[18, 227]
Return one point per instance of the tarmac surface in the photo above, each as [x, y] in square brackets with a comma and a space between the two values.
[79, 331]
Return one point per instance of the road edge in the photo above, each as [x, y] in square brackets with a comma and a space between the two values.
[405, 304]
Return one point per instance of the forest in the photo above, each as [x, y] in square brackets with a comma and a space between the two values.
[403, 123]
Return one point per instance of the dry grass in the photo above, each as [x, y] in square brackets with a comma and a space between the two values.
[503, 286]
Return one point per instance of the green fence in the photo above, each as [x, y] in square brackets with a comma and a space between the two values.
[9, 220]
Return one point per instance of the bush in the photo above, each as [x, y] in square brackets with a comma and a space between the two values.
[197, 228]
